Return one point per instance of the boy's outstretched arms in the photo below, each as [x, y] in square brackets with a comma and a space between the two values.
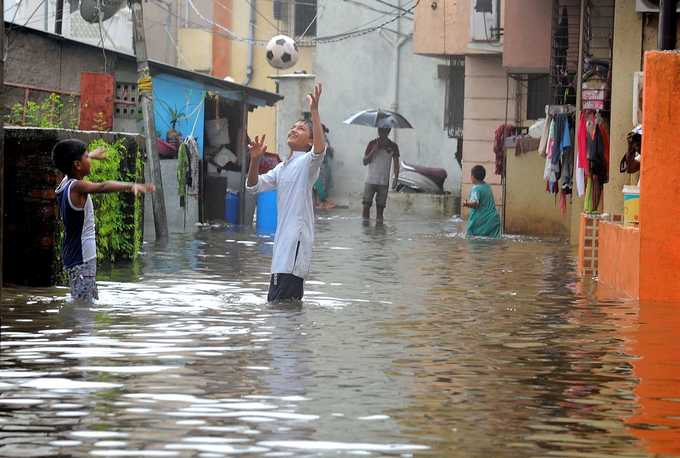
[88, 187]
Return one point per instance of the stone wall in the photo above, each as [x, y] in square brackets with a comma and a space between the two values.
[32, 226]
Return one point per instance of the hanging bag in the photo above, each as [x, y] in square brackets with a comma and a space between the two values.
[628, 162]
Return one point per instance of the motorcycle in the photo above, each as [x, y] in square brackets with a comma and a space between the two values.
[416, 178]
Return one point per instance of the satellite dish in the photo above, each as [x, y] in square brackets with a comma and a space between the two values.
[90, 9]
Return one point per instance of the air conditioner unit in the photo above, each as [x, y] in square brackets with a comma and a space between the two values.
[648, 6]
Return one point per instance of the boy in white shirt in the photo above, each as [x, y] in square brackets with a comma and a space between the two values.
[294, 179]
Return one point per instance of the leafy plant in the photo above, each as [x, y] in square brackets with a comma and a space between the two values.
[174, 113]
[49, 113]
[72, 113]
[117, 215]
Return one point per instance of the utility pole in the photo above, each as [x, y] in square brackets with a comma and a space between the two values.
[146, 93]
[2, 139]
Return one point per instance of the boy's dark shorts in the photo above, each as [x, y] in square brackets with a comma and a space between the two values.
[83, 281]
[285, 287]
[379, 191]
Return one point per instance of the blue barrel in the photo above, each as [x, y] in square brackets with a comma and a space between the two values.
[231, 207]
[266, 213]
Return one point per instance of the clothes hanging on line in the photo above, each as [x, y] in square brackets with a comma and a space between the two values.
[559, 155]
[581, 158]
[594, 157]
[502, 132]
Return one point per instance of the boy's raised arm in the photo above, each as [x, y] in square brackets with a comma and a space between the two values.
[317, 127]
[257, 149]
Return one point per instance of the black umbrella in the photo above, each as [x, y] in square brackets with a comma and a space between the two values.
[382, 119]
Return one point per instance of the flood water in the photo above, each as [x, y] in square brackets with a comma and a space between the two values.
[411, 341]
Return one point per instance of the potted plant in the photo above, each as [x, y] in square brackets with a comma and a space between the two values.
[175, 115]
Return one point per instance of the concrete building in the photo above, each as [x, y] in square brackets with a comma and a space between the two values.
[40, 63]
[221, 38]
[226, 38]
[642, 261]
[115, 33]
[511, 73]
[380, 70]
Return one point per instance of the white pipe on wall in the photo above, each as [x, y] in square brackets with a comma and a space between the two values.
[251, 44]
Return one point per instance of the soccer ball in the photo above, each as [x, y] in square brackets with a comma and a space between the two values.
[282, 52]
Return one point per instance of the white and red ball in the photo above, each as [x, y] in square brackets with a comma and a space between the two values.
[282, 52]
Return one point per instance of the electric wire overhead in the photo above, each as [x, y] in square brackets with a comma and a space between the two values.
[301, 41]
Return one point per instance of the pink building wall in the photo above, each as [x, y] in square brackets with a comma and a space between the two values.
[526, 44]
[486, 95]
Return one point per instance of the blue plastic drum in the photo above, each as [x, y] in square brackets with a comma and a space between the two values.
[266, 213]
[231, 207]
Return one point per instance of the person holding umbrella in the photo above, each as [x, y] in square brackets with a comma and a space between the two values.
[379, 156]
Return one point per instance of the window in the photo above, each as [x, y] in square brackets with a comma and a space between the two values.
[454, 74]
[279, 10]
[305, 18]
[538, 95]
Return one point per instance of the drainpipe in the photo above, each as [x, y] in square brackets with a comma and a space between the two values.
[251, 44]
[667, 25]
[396, 69]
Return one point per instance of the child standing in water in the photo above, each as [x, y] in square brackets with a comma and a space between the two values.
[79, 248]
[294, 179]
[483, 220]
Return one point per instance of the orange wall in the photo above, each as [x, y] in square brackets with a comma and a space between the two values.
[221, 65]
[619, 258]
[660, 179]
[527, 27]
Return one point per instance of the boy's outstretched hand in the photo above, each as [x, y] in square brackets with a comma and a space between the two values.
[98, 154]
[257, 148]
[315, 97]
[143, 187]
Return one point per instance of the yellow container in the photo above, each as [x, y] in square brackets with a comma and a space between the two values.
[631, 205]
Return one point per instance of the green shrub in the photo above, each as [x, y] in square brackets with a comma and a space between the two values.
[118, 216]
[52, 113]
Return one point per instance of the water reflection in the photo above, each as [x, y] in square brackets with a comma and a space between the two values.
[411, 341]
[653, 339]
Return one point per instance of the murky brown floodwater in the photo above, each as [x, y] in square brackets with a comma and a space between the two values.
[410, 342]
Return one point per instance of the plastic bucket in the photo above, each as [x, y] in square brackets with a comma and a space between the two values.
[231, 207]
[266, 213]
[631, 205]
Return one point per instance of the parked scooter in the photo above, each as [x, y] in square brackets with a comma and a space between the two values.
[416, 178]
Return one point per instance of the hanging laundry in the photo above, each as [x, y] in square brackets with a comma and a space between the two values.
[604, 132]
[183, 173]
[581, 157]
[549, 152]
[503, 131]
[597, 150]
[546, 132]
[588, 201]
[567, 170]
[596, 155]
